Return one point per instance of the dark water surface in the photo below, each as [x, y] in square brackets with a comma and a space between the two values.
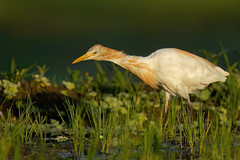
[56, 33]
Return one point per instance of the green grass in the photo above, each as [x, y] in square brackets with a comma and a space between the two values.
[120, 120]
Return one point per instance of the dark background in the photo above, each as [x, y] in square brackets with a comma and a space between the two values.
[57, 32]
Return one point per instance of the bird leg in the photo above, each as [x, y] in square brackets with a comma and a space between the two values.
[190, 106]
[159, 98]
[167, 96]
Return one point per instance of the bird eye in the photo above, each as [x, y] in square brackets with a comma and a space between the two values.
[95, 52]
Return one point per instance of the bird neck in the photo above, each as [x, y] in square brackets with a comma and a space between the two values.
[138, 66]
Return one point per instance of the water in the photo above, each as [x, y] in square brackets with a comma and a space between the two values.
[168, 150]
[55, 36]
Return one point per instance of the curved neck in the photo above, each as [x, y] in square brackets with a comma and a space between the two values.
[137, 66]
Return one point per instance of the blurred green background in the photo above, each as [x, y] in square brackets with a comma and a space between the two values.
[57, 32]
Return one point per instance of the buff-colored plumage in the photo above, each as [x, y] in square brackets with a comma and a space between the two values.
[178, 72]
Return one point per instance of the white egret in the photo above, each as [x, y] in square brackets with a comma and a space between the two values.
[178, 72]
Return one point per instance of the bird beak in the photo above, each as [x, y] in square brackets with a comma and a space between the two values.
[82, 58]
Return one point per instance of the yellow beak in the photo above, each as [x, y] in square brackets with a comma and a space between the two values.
[82, 58]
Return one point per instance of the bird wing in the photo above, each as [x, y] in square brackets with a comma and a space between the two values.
[182, 72]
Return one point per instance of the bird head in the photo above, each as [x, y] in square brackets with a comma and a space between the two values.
[98, 52]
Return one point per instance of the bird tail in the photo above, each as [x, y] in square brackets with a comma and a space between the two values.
[222, 73]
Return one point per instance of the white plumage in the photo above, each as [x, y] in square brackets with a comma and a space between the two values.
[178, 72]
[181, 73]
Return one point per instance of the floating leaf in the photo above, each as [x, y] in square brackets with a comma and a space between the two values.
[204, 95]
[69, 85]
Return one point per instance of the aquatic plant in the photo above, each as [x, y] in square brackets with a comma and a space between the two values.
[43, 81]
[69, 87]
[10, 89]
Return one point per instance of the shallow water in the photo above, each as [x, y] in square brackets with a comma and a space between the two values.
[169, 150]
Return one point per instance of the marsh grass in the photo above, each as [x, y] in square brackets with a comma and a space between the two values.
[76, 124]
[203, 129]
[13, 134]
[6, 138]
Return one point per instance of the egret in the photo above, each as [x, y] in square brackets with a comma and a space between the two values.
[178, 72]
